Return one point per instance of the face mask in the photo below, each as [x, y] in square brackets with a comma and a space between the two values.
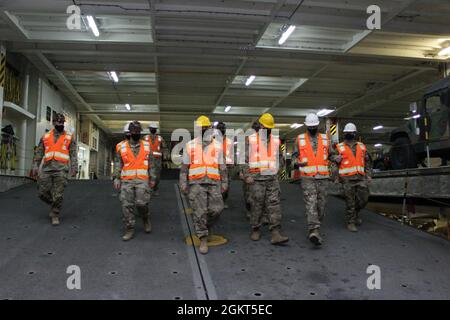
[153, 131]
[349, 136]
[136, 137]
[312, 131]
[59, 128]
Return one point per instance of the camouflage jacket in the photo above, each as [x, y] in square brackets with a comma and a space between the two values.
[184, 172]
[135, 148]
[53, 165]
[367, 163]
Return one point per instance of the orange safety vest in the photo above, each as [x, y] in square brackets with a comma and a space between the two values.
[228, 149]
[58, 150]
[155, 146]
[203, 162]
[134, 167]
[316, 163]
[262, 159]
[351, 164]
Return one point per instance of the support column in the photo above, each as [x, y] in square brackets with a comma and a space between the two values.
[23, 127]
[2, 79]
[333, 129]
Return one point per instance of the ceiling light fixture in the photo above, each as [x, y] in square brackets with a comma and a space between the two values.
[250, 80]
[378, 145]
[128, 106]
[227, 108]
[296, 125]
[324, 112]
[286, 34]
[215, 123]
[444, 52]
[93, 25]
[378, 127]
[114, 76]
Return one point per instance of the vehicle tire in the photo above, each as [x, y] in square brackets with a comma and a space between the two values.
[403, 155]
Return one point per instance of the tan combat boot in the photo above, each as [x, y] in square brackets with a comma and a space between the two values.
[256, 234]
[314, 237]
[147, 225]
[277, 238]
[351, 227]
[203, 245]
[129, 234]
[55, 221]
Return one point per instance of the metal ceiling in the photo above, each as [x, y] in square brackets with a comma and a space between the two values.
[177, 59]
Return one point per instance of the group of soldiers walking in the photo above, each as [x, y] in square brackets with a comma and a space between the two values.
[205, 174]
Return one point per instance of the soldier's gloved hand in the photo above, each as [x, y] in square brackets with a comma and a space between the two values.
[73, 173]
[369, 179]
[152, 184]
[303, 164]
[224, 188]
[249, 180]
[117, 184]
[34, 173]
[185, 189]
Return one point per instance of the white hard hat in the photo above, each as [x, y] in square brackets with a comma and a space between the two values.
[350, 127]
[126, 127]
[153, 125]
[312, 120]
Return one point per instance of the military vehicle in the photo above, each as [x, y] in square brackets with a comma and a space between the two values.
[428, 124]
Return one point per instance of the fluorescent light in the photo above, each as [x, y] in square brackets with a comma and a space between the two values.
[249, 80]
[444, 52]
[128, 106]
[416, 116]
[378, 127]
[324, 112]
[114, 76]
[228, 108]
[93, 25]
[296, 125]
[378, 145]
[216, 123]
[286, 35]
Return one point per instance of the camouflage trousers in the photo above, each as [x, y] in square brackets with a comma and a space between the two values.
[226, 193]
[265, 199]
[51, 187]
[206, 202]
[315, 198]
[134, 195]
[356, 194]
[158, 167]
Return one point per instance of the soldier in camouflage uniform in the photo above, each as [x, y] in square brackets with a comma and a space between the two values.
[314, 174]
[134, 175]
[57, 150]
[355, 172]
[262, 180]
[228, 157]
[159, 150]
[204, 181]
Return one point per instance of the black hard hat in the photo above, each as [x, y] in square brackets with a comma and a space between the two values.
[135, 126]
[221, 126]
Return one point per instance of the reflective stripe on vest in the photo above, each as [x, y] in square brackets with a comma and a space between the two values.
[352, 164]
[315, 163]
[203, 163]
[134, 167]
[59, 150]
